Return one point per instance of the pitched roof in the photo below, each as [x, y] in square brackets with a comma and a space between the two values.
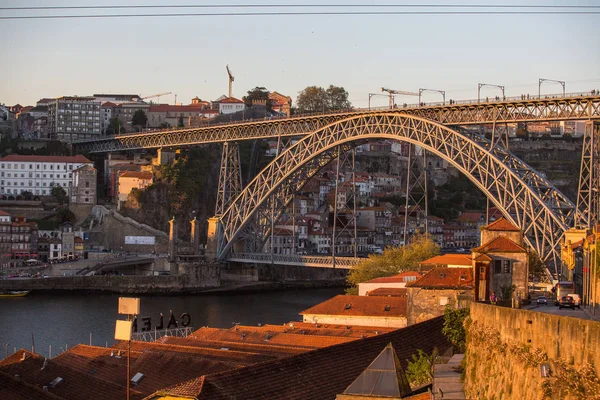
[315, 375]
[501, 244]
[448, 259]
[445, 278]
[108, 104]
[388, 292]
[230, 100]
[4, 214]
[55, 159]
[360, 306]
[13, 388]
[502, 224]
[384, 377]
[470, 216]
[137, 174]
[401, 277]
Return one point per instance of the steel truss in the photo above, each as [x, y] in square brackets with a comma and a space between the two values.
[287, 259]
[524, 197]
[416, 190]
[559, 109]
[230, 177]
[588, 198]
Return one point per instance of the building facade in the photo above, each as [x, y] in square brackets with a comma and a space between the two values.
[231, 105]
[38, 174]
[83, 190]
[73, 118]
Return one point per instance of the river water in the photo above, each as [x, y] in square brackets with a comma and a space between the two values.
[66, 320]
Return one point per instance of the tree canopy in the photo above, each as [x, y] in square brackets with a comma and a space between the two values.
[393, 261]
[317, 99]
[139, 119]
[58, 193]
[258, 93]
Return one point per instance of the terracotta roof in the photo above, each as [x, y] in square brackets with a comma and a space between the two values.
[396, 278]
[502, 225]
[500, 244]
[55, 159]
[445, 278]
[4, 214]
[344, 305]
[483, 257]
[147, 175]
[108, 104]
[449, 259]
[12, 388]
[470, 216]
[315, 375]
[231, 100]
[388, 292]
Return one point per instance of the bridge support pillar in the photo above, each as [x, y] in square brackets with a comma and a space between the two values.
[195, 237]
[588, 198]
[172, 240]
[213, 238]
[230, 177]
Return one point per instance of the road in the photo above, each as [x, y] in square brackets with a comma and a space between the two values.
[565, 312]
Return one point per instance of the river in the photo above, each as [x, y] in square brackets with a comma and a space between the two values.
[66, 320]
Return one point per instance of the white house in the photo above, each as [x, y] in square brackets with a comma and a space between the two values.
[231, 105]
[37, 174]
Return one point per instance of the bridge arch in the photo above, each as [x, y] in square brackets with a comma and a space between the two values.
[523, 196]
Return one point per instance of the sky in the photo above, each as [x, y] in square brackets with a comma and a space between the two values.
[187, 55]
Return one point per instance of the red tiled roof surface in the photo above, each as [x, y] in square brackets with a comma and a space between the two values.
[360, 306]
[500, 244]
[230, 100]
[396, 278]
[388, 292]
[76, 385]
[470, 216]
[108, 104]
[4, 214]
[501, 225]
[12, 388]
[483, 257]
[315, 375]
[445, 278]
[449, 259]
[147, 175]
[265, 348]
[55, 159]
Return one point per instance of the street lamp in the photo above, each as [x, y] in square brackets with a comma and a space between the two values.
[480, 85]
[542, 80]
[374, 94]
[442, 92]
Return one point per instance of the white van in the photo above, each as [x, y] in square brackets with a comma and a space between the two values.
[576, 299]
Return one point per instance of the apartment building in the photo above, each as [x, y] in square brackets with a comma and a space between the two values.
[72, 118]
[37, 174]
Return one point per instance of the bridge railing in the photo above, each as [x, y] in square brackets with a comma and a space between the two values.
[487, 100]
[295, 259]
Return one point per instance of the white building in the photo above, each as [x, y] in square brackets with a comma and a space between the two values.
[37, 174]
[231, 105]
[106, 114]
[72, 118]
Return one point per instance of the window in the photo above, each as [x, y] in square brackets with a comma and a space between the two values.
[497, 266]
[87, 184]
[506, 267]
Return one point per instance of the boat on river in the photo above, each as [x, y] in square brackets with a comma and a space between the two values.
[13, 293]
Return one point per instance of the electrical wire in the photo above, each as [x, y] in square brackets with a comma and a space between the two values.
[302, 13]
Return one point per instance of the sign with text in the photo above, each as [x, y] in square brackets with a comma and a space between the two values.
[140, 240]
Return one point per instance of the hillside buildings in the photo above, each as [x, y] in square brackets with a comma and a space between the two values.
[73, 118]
[18, 240]
[38, 174]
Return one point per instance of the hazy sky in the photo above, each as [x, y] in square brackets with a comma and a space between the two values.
[187, 55]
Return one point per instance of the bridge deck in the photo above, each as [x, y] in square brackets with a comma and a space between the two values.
[292, 259]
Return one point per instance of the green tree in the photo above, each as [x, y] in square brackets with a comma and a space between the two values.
[258, 93]
[180, 122]
[454, 327]
[393, 261]
[419, 370]
[114, 126]
[139, 119]
[27, 195]
[317, 99]
[58, 193]
[63, 214]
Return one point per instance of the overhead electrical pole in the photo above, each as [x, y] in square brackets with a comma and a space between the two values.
[392, 92]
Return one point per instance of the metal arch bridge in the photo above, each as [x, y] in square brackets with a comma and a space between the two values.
[575, 107]
[524, 197]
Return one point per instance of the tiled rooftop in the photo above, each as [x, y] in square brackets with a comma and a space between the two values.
[449, 259]
[396, 278]
[502, 224]
[51, 159]
[360, 306]
[13, 388]
[445, 278]
[500, 244]
[388, 292]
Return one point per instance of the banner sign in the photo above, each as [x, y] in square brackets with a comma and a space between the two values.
[140, 240]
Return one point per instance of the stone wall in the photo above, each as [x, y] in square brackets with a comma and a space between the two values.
[196, 279]
[241, 272]
[505, 348]
[424, 304]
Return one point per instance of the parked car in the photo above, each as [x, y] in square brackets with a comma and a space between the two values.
[576, 299]
[542, 301]
[566, 302]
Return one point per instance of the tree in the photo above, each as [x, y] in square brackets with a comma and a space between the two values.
[58, 193]
[139, 119]
[536, 265]
[63, 215]
[114, 126]
[27, 195]
[180, 122]
[317, 99]
[393, 261]
[454, 327]
[419, 369]
[258, 93]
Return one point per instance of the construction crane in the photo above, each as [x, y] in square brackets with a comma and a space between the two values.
[231, 79]
[156, 95]
[392, 92]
